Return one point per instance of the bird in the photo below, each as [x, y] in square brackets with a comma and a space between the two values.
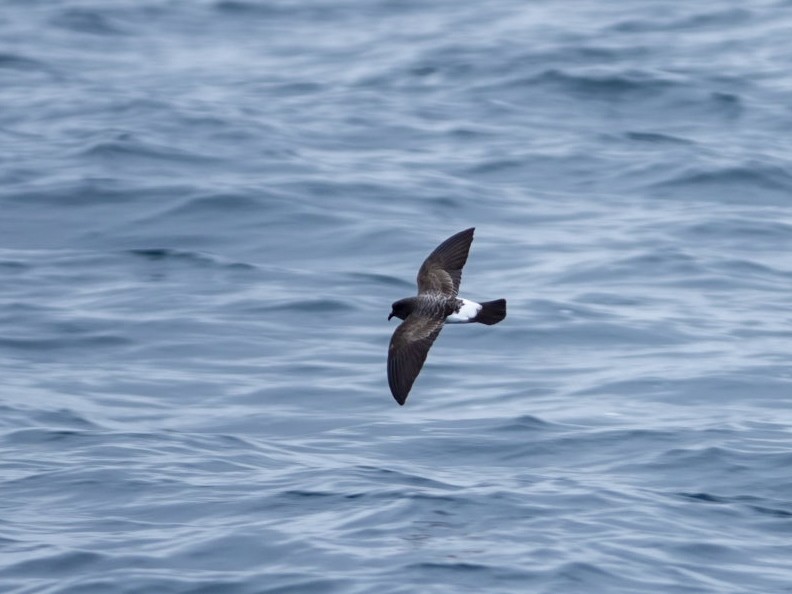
[437, 303]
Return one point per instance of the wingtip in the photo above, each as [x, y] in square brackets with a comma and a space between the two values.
[469, 232]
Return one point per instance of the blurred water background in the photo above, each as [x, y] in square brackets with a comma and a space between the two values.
[207, 207]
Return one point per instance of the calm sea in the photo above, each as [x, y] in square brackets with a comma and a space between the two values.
[207, 207]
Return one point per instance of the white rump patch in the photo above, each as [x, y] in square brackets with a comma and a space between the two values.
[466, 313]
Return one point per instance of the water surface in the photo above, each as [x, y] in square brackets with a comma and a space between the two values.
[208, 207]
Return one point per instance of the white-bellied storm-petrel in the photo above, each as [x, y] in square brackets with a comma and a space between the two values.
[435, 304]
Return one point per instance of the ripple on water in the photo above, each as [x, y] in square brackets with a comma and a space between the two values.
[208, 207]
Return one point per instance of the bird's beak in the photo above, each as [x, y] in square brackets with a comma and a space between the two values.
[390, 316]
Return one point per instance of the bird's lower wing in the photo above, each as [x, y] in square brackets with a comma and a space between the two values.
[409, 346]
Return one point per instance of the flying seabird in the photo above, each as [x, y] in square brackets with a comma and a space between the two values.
[435, 304]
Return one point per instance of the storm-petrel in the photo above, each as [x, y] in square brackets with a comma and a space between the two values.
[435, 304]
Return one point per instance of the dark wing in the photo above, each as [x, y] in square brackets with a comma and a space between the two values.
[409, 346]
[442, 270]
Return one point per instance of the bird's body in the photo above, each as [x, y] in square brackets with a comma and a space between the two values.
[425, 314]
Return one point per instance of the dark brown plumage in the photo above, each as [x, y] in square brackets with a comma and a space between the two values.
[409, 346]
[441, 272]
[424, 315]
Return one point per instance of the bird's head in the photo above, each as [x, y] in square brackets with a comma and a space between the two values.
[402, 308]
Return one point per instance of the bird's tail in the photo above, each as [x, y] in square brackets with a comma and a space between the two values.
[491, 312]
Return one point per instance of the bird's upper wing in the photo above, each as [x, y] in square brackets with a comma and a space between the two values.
[442, 270]
[409, 346]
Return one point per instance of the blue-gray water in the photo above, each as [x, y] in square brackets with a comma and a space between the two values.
[207, 207]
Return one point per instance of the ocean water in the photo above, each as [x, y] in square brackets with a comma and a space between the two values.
[207, 207]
